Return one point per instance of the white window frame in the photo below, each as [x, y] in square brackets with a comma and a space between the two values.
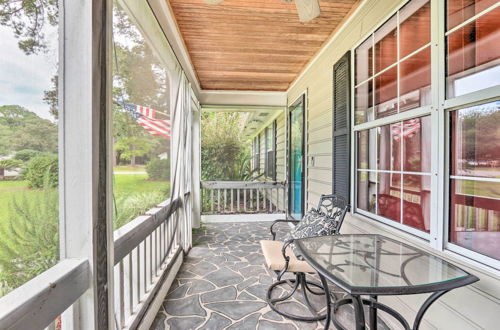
[439, 111]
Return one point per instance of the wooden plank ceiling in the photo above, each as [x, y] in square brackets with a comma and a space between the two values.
[253, 44]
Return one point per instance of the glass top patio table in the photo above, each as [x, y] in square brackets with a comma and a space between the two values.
[378, 265]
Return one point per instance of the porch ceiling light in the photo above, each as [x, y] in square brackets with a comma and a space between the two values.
[307, 9]
[212, 2]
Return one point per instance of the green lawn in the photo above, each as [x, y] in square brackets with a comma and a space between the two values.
[129, 168]
[137, 183]
[124, 185]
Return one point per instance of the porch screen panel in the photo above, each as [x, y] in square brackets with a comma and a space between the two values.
[341, 125]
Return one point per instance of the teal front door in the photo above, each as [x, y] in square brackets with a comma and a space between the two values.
[296, 160]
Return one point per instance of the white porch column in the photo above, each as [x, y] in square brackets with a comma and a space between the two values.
[195, 164]
[85, 158]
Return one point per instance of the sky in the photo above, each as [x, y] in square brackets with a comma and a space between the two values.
[24, 78]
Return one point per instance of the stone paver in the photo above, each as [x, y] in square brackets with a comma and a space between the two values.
[223, 282]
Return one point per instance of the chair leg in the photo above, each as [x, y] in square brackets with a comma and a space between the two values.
[299, 281]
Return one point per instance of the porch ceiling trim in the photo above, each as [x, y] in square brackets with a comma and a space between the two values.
[243, 98]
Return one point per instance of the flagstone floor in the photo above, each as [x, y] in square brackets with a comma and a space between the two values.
[223, 282]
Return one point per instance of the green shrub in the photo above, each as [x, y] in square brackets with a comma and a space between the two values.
[42, 172]
[158, 169]
[128, 207]
[26, 154]
[30, 237]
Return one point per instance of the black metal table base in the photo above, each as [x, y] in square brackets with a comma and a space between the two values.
[374, 306]
[301, 282]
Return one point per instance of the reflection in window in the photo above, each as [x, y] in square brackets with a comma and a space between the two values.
[409, 67]
[394, 164]
[473, 59]
[364, 103]
[415, 81]
[475, 153]
[386, 92]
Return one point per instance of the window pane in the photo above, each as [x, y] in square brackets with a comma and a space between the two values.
[461, 10]
[364, 61]
[367, 191]
[416, 201]
[415, 81]
[415, 16]
[475, 144]
[386, 92]
[386, 45]
[389, 196]
[367, 156]
[364, 103]
[473, 56]
[389, 147]
[417, 145]
[475, 216]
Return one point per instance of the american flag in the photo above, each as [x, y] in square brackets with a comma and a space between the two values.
[146, 117]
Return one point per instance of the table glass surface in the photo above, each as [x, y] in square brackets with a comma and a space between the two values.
[376, 261]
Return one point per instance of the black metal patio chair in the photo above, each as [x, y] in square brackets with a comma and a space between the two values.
[281, 259]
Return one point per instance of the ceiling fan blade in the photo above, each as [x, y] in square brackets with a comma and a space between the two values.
[307, 9]
[212, 2]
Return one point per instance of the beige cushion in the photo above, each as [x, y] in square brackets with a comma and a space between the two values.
[275, 260]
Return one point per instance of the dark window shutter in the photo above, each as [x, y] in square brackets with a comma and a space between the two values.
[341, 126]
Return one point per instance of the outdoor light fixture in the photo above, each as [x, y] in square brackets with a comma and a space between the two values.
[212, 2]
[307, 9]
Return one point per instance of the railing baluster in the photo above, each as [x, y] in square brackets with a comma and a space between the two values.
[238, 207]
[232, 200]
[277, 199]
[122, 298]
[218, 200]
[251, 199]
[212, 200]
[150, 259]
[138, 270]
[245, 200]
[258, 200]
[130, 285]
[225, 200]
[265, 199]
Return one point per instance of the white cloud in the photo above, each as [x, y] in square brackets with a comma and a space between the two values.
[24, 78]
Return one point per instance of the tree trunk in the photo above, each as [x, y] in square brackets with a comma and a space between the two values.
[132, 161]
[2, 173]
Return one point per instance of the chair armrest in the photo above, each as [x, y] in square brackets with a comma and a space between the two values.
[287, 258]
[273, 233]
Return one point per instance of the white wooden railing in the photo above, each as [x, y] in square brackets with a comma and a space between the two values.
[144, 251]
[38, 303]
[235, 197]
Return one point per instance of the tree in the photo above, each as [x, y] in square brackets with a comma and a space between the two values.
[50, 97]
[23, 129]
[27, 19]
[225, 155]
[8, 164]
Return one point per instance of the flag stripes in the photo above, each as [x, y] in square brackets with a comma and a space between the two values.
[146, 117]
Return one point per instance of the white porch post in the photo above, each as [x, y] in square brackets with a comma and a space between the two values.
[86, 229]
[195, 165]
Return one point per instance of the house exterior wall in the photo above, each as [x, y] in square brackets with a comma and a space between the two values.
[280, 157]
[473, 307]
